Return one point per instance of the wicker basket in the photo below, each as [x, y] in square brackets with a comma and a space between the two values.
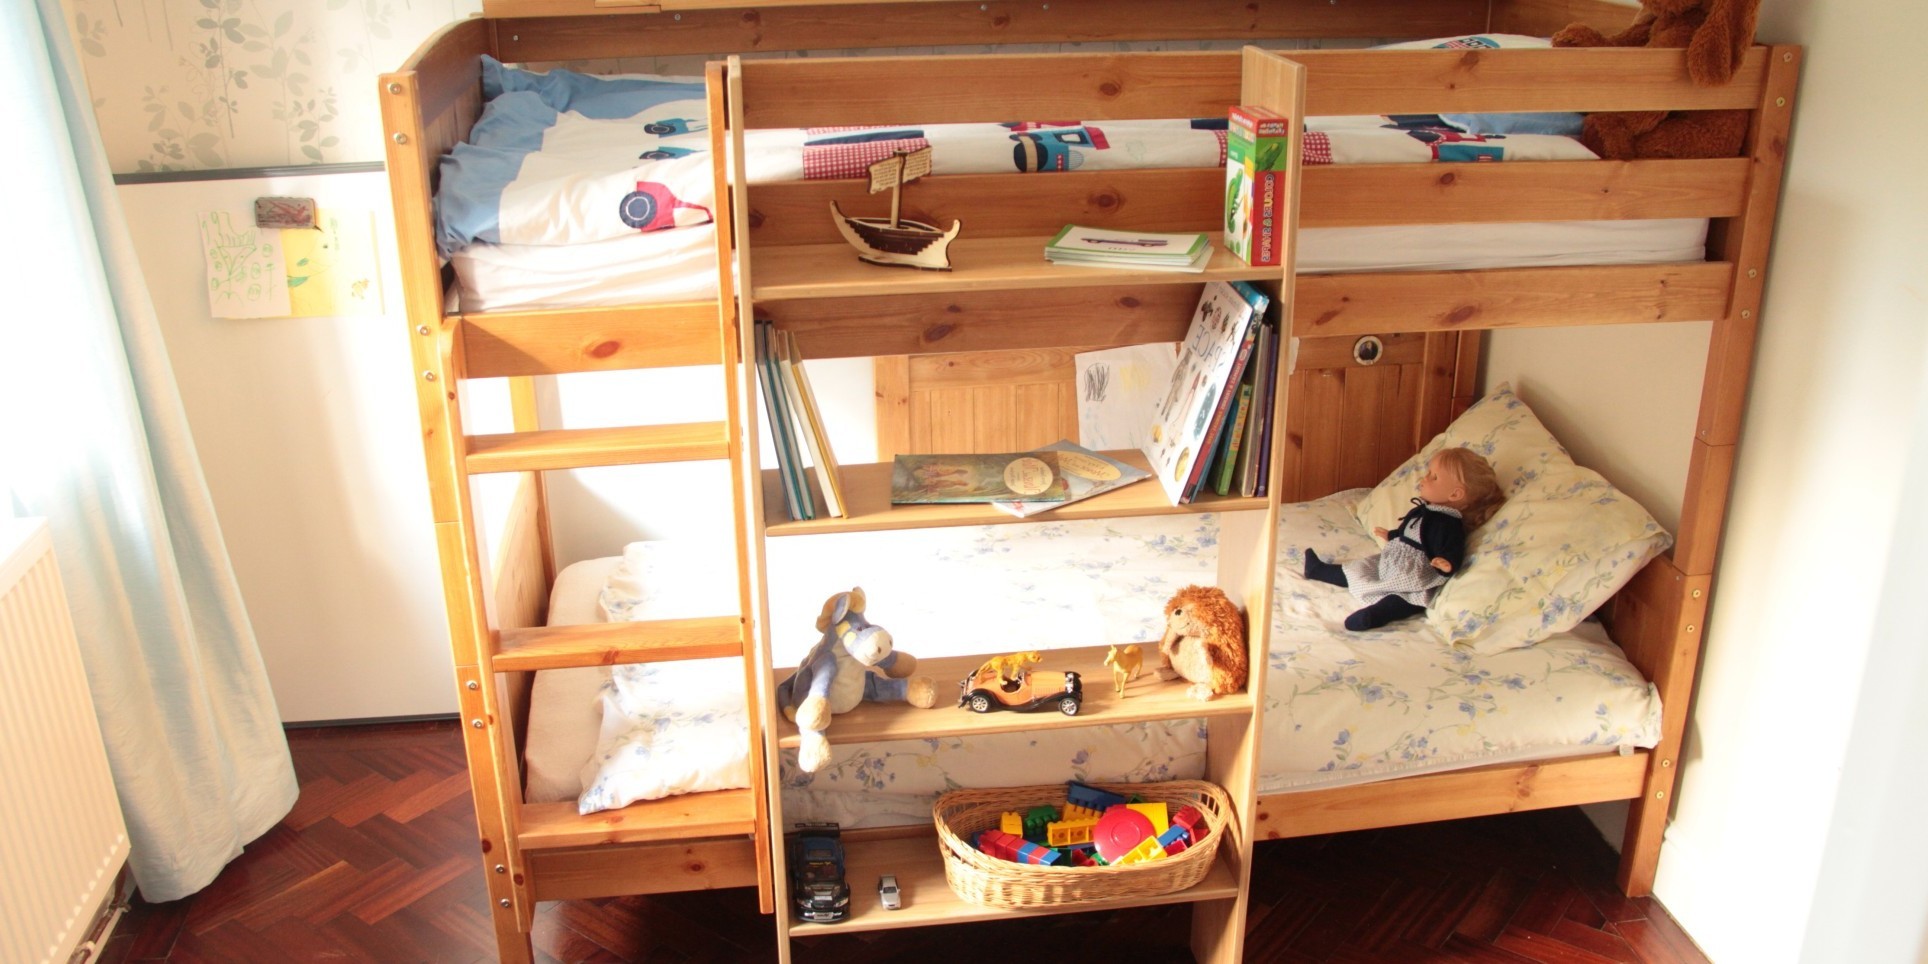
[986, 880]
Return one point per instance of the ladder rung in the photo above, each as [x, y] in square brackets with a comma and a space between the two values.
[610, 644]
[717, 813]
[572, 448]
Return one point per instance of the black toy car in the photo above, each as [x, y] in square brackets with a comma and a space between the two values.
[816, 859]
[1033, 690]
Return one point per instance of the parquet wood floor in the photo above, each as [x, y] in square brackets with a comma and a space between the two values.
[377, 863]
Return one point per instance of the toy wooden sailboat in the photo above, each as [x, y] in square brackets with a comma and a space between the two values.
[898, 241]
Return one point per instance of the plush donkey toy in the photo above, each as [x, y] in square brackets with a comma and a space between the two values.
[1716, 34]
[835, 676]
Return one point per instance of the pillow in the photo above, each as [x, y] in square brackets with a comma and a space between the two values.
[1564, 541]
[1531, 122]
[605, 97]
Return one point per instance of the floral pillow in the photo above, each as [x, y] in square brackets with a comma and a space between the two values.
[1564, 541]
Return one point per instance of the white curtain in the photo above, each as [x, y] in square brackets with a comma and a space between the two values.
[94, 438]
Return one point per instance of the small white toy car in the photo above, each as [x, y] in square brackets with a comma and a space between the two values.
[888, 893]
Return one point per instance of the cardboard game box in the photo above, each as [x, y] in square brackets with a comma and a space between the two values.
[1258, 148]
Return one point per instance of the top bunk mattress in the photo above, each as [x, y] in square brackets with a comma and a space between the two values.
[582, 191]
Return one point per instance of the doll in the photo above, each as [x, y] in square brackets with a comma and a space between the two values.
[1457, 493]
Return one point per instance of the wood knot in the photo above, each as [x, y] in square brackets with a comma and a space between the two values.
[938, 332]
[604, 349]
[751, 16]
[1105, 200]
[1469, 59]
[1461, 314]
[1448, 178]
[1110, 88]
[1001, 20]
[486, 845]
[1326, 317]
[755, 218]
[696, 866]
[953, 309]
[518, 880]
[1128, 302]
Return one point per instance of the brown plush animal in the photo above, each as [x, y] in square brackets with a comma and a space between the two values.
[1204, 642]
[1716, 33]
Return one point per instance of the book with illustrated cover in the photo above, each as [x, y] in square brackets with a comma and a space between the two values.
[1210, 362]
[1076, 244]
[1226, 468]
[1086, 473]
[1025, 476]
[810, 422]
[1251, 457]
[1279, 360]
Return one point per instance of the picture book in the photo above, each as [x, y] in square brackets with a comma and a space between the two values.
[1117, 391]
[1226, 467]
[1024, 476]
[1129, 249]
[1280, 357]
[1086, 473]
[810, 422]
[1251, 456]
[1210, 361]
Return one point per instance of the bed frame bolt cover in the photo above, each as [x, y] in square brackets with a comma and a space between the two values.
[394, 88]
[1780, 102]
[476, 723]
[421, 329]
[428, 376]
[504, 901]
[1660, 794]
[1753, 273]
[1696, 594]
[500, 869]
[473, 685]
[1747, 313]
[1664, 764]
[401, 138]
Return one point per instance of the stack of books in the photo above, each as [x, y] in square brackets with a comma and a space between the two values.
[1213, 428]
[796, 426]
[1129, 249]
[1022, 484]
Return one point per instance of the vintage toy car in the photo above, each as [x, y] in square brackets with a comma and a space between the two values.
[1032, 690]
[888, 894]
[816, 859]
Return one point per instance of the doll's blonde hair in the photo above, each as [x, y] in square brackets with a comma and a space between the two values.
[1483, 496]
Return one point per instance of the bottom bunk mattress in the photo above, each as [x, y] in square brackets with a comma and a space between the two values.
[1340, 707]
[671, 266]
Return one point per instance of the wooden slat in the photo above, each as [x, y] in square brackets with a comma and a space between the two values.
[611, 644]
[545, 30]
[510, 343]
[1710, 479]
[614, 870]
[1188, 199]
[892, 374]
[1032, 319]
[1448, 796]
[448, 69]
[831, 91]
[867, 492]
[717, 813]
[584, 447]
[1372, 303]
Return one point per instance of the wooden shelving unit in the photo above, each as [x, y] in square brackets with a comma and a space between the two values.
[813, 289]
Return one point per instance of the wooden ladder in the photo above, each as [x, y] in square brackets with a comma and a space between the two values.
[491, 654]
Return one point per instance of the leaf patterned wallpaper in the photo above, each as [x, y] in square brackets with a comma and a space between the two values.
[196, 84]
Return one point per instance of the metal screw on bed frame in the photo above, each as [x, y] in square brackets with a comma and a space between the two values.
[504, 901]
[473, 685]
[1787, 58]
[1690, 627]
[1752, 273]
[1664, 764]
[421, 329]
[401, 138]
[1746, 313]
[500, 869]
[394, 88]
[428, 376]
[476, 723]
[1780, 102]
[1696, 594]
[1660, 794]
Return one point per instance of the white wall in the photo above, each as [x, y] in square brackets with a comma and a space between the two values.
[307, 434]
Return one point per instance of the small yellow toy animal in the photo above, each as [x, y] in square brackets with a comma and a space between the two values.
[1008, 667]
[1204, 642]
[1124, 664]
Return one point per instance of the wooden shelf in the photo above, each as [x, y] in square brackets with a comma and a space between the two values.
[576, 448]
[919, 869]
[1146, 698]
[611, 644]
[867, 498]
[803, 271]
[718, 813]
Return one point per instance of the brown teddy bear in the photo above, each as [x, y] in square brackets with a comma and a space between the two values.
[1716, 33]
[1204, 642]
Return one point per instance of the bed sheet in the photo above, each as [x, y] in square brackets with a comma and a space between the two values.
[1340, 707]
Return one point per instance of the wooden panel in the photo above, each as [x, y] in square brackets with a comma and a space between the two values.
[1710, 478]
[892, 373]
[1448, 796]
[1544, 18]
[571, 448]
[1404, 348]
[587, 340]
[1320, 397]
[987, 320]
[1360, 304]
[610, 644]
[717, 813]
[1188, 199]
[616, 869]
[867, 488]
[1018, 367]
[448, 70]
[828, 91]
[545, 29]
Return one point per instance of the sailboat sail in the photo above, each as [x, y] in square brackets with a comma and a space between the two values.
[899, 169]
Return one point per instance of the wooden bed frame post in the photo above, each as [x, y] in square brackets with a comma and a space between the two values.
[1668, 625]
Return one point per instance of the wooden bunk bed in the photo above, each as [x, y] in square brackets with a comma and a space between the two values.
[768, 255]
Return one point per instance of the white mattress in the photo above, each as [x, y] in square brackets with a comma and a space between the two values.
[669, 266]
[1339, 707]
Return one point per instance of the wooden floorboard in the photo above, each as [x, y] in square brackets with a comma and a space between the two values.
[377, 862]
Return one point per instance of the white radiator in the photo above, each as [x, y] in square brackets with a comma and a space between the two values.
[62, 840]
